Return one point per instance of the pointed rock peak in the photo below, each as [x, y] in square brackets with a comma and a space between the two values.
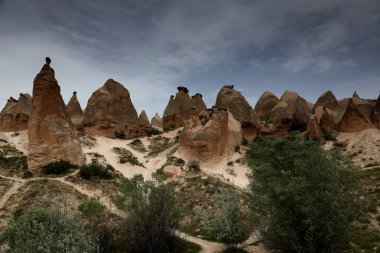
[268, 94]
[157, 116]
[289, 96]
[327, 99]
[156, 121]
[143, 119]
[266, 103]
[74, 94]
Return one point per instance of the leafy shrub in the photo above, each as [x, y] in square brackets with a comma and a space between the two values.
[237, 149]
[119, 134]
[27, 174]
[169, 128]
[230, 163]
[91, 208]
[154, 131]
[227, 225]
[194, 166]
[42, 230]
[304, 199]
[96, 170]
[58, 167]
[152, 220]
[180, 162]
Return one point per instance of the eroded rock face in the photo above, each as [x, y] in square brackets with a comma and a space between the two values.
[178, 110]
[75, 110]
[355, 117]
[198, 103]
[265, 104]
[51, 133]
[290, 114]
[315, 132]
[110, 109]
[156, 121]
[327, 100]
[15, 115]
[143, 119]
[210, 135]
[241, 110]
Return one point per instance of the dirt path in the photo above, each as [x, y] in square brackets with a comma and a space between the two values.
[207, 246]
[13, 190]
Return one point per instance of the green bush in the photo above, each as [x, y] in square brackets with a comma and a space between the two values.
[58, 168]
[304, 199]
[227, 224]
[42, 230]
[194, 166]
[27, 174]
[154, 131]
[96, 170]
[91, 208]
[152, 216]
[119, 134]
[169, 128]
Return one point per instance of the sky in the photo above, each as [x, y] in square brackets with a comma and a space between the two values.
[153, 46]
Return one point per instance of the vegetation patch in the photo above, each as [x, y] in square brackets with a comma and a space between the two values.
[126, 156]
[58, 167]
[96, 170]
[158, 145]
[137, 145]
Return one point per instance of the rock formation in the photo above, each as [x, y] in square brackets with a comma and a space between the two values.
[315, 132]
[290, 114]
[355, 117]
[75, 110]
[51, 133]
[209, 135]
[327, 99]
[110, 109]
[265, 104]
[143, 119]
[156, 121]
[235, 102]
[198, 103]
[15, 115]
[180, 108]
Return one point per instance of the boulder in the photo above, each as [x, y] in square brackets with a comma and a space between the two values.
[110, 109]
[178, 110]
[75, 110]
[51, 133]
[210, 135]
[156, 121]
[327, 100]
[15, 115]
[265, 104]
[171, 171]
[241, 110]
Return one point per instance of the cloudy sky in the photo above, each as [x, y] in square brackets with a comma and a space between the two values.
[153, 46]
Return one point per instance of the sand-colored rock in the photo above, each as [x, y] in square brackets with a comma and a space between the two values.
[15, 115]
[290, 114]
[172, 171]
[327, 100]
[355, 117]
[178, 110]
[210, 135]
[315, 132]
[75, 110]
[198, 103]
[143, 119]
[156, 121]
[235, 102]
[110, 109]
[265, 104]
[51, 133]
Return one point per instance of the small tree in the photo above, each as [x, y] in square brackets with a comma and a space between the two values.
[303, 198]
[227, 225]
[43, 230]
[153, 216]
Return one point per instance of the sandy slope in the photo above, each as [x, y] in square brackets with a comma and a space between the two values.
[19, 140]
